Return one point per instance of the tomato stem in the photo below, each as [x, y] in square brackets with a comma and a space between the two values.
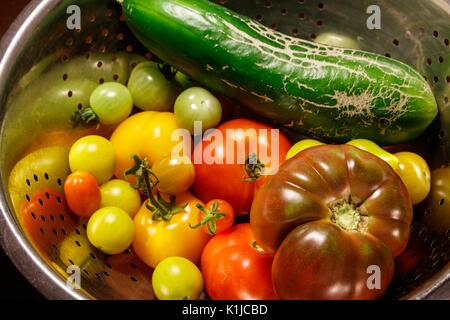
[210, 217]
[253, 167]
[85, 116]
[146, 180]
[347, 216]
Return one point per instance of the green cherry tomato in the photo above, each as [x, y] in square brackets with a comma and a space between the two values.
[111, 230]
[197, 104]
[120, 194]
[111, 102]
[151, 89]
[95, 155]
[177, 278]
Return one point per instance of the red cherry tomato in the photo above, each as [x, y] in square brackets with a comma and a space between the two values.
[234, 267]
[82, 192]
[216, 217]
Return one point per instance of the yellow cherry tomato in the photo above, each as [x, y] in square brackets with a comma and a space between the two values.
[156, 240]
[375, 149]
[119, 193]
[177, 278]
[302, 145]
[175, 174]
[110, 230]
[151, 135]
[415, 174]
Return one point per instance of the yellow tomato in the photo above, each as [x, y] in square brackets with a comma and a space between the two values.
[375, 149]
[302, 145]
[415, 174]
[156, 240]
[151, 135]
[175, 174]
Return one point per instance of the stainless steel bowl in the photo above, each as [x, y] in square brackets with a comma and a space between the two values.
[413, 31]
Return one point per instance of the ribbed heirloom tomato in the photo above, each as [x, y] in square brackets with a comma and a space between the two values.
[334, 216]
[222, 161]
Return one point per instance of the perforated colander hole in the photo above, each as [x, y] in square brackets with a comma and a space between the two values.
[54, 232]
[70, 94]
[43, 218]
[119, 36]
[63, 231]
[33, 215]
[148, 55]
[284, 11]
[259, 17]
[446, 42]
[27, 197]
[116, 77]
[295, 32]
[446, 100]
[58, 198]
[109, 13]
[422, 30]
[395, 42]
[77, 231]
[129, 48]
[99, 64]
[435, 33]
[441, 202]
[273, 26]
[65, 76]
[41, 202]
[312, 36]
[61, 216]
[427, 212]
[106, 273]
[88, 40]
[301, 1]
[105, 32]
[102, 49]
[121, 18]
[69, 42]
[52, 218]
[91, 18]
[92, 255]
[28, 182]
[319, 23]
[387, 55]
[429, 61]
[77, 243]
[268, 4]
[447, 78]
[133, 265]
[42, 230]
[87, 55]
[302, 16]
[436, 79]
[441, 60]
[223, 1]
[101, 81]
[108, 265]
[35, 177]
[133, 279]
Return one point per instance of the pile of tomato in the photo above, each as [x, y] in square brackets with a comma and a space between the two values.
[235, 229]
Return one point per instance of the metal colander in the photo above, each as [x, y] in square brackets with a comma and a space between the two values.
[38, 54]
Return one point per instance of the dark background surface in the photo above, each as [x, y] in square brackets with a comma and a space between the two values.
[14, 285]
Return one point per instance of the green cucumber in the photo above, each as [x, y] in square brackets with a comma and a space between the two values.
[330, 93]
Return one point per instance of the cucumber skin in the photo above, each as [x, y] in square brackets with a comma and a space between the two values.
[325, 92]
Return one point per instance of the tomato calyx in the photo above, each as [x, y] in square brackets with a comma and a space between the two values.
[210, 217]
[253, 167]
[85, 116]
[346, 214]
[146, 180]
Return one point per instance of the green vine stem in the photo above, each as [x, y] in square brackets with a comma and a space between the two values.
[210, 217]
[85, 116]
[146, 181]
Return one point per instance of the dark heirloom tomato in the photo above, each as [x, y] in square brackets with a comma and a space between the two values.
[329, 213]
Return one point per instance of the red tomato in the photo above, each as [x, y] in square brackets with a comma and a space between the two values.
[82, 193]
[216, 217]
[219, 161]
[235, 268]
